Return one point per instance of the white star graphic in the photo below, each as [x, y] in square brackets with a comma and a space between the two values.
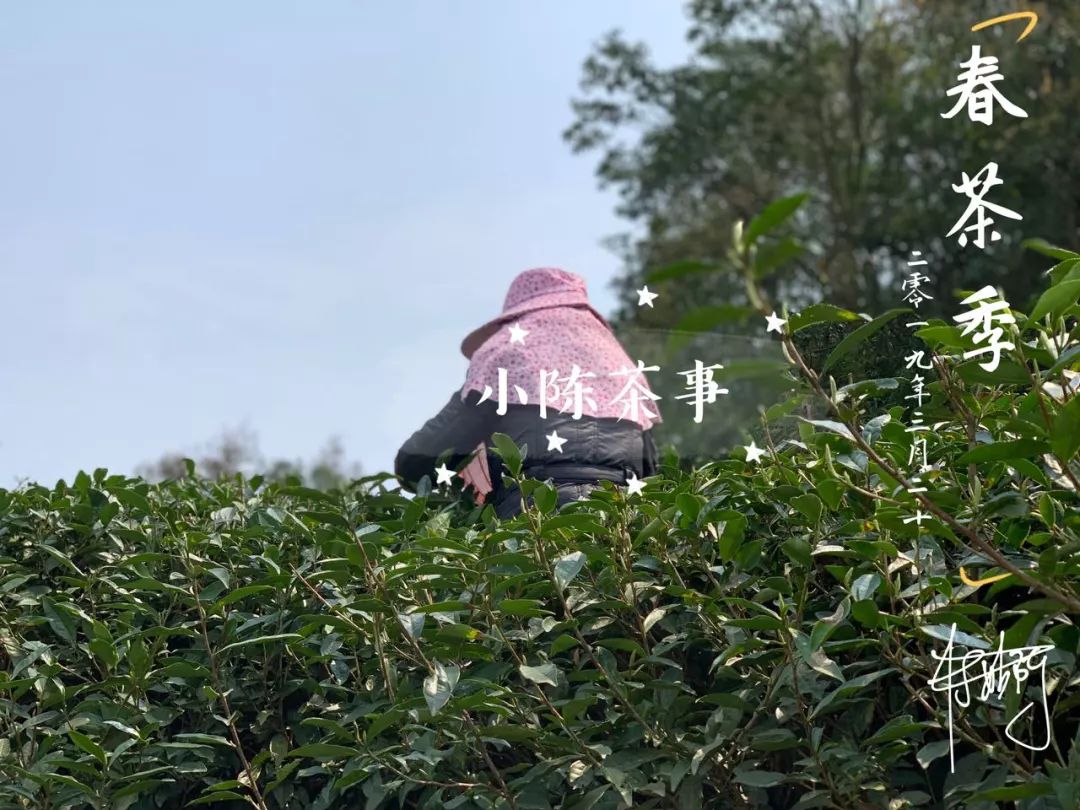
[517, 334]
[445, 475]
[775, 324]
[753, 452]
[634, 485]
[644, 297]
[555, 442]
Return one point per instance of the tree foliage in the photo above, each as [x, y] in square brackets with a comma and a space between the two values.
[841, 99]
[237, 451]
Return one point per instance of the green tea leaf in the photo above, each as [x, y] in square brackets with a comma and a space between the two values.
[1056, 299]
[931, 751]
[820, 313]
[759, 779]
[809, 505]
[1065, 437]
[1003, 451]
[1012, 793]
[324, 752]
[60, 619]
[509, 452]
[831, 426]
[1044, 248]
[546, 673]
[772, 217]
[865, 586]
[88, 745]
[439, 686]
[568, 567]
[859, 336]
[272, 639]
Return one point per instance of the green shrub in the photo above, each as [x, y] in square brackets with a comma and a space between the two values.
[741, 635]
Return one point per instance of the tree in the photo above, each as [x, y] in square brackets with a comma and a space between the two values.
[236, 450]
[842, 99]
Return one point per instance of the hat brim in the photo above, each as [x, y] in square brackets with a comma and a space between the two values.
[476, 338]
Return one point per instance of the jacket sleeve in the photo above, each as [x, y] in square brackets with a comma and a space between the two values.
[651, 457]
[456, 429]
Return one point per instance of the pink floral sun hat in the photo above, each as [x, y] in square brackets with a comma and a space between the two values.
[561, 333]
[539, 288]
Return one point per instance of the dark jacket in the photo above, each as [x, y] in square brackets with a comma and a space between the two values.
[595, 449]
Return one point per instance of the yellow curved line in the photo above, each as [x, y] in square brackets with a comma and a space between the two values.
[978, 583]
[1030, 16]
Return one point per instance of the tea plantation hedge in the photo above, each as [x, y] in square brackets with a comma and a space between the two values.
[740, 638]
[742, 635]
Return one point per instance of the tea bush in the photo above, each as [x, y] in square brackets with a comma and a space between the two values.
[741, 635]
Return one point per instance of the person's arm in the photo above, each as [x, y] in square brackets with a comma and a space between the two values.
[456, 429]
[651, 460]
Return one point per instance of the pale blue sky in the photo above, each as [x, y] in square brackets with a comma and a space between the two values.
[283, 215]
